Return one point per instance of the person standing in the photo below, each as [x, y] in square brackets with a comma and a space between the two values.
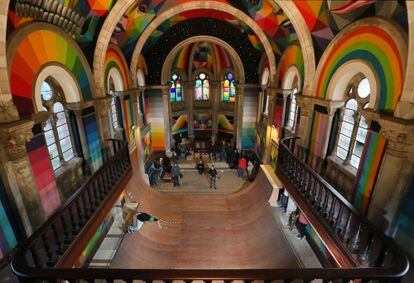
[301, 225]
[200, 167]
[241, 167]
[213, 177]
[176, 174]
[250, 168]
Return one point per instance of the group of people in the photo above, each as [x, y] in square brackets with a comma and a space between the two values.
[158, 169]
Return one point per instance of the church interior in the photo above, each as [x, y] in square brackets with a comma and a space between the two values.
[219, 140]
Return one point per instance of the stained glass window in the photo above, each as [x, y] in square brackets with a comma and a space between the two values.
[202, 87]
[229, 88]
[176, 92]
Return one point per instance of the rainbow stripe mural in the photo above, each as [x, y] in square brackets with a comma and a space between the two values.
[92, 139]
[115, 59]
[222, 58]
[146, 146]
[249, 119]
[179, 124]
[375, 45]
[291, 56]
[8, 231]
[128, 118]
[181, 60]
[43, 173]
[318, 139]
[226, 124]
[368, 169]
[156, 119]
[36, 45]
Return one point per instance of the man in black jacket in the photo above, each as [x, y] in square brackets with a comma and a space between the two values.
[213, 177]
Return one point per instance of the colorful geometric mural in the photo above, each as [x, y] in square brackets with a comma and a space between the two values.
[179, 124]
[375, 45]
[292, 56]
[260, 145]
[128, 118]
[115, 59]
[92, 139]
[368, 169]
[202, 122]
[43, 173]
[318, 140]
[155, 108]
[31, 49]
[226, 124]
[249, 119]
[146, 146]
[9, 234]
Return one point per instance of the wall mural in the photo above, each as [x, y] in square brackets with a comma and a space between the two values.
[249, 119]
[202, 122]
[31, 49]
[128, 118]
[9, 233]
[182, 59]
[92, 139]
[179, 124]
[375, 45]
[115, 59]
[155, 107]
[291, 56]
[319, 133]
[226, 124]
[368, 169]
[146, 146]
[260, 145]
[44, 176]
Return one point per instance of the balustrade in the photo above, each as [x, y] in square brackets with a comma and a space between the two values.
[377, 258]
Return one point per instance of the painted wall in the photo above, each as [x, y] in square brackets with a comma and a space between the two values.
[319, 133]
[92, 139]
[156, 118]
[249, 118]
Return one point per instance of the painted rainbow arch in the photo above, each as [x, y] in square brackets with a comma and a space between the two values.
[115, 59]
[36, 45]
[291, 56]
[375, 45]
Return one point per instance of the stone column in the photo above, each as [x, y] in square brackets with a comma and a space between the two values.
[137, 130]
[8, 111]
[189, 98]
[13, 138]
[238, 121]
[215, 96]
[167, 117]
[395, 173]
[102, 107]
[306, 109]
[271, 92]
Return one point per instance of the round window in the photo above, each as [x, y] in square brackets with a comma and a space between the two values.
[363, 88]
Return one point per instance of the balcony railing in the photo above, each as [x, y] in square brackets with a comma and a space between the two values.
[375, 256]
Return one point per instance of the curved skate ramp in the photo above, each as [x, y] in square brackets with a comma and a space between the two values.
[206, 232]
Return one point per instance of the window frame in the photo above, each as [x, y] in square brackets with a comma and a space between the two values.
[203, 81]
[173, 84]
[232, 85]
[352, 157]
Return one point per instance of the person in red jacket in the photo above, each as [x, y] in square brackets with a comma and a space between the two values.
[242, 166]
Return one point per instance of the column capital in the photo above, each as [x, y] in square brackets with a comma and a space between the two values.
[103, 102]
[8, 111]
[305, 103]
[79, 106]
[400, 137]
[14, 137]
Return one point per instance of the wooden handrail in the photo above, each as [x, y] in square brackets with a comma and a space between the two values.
[382, 270]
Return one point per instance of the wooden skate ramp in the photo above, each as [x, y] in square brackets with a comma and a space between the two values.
[206, 232]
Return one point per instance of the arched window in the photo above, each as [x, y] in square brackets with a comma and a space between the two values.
[293, 110]
[202, 87]
[56, 130]
[353, 129]
[176, 91]
[114, 108]
[229, 88]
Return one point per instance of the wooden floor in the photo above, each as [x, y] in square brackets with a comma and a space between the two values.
[231, 231]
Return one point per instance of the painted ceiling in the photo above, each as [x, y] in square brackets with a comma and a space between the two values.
[82, 19]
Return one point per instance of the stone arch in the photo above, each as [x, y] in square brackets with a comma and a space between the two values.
[65, 80]
[376, 40]
[166, 69]
[341, 78]
[116, 77]
[289, 78]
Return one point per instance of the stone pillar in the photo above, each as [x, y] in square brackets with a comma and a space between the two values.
[395, 173]
[215, 95]
[8, 111]
[167, 119]
[77, 110]
[238, 121]
[271, 92]
[306, 109]
[189, 98]
[13, 138]
[102, 107]
[137, 130]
